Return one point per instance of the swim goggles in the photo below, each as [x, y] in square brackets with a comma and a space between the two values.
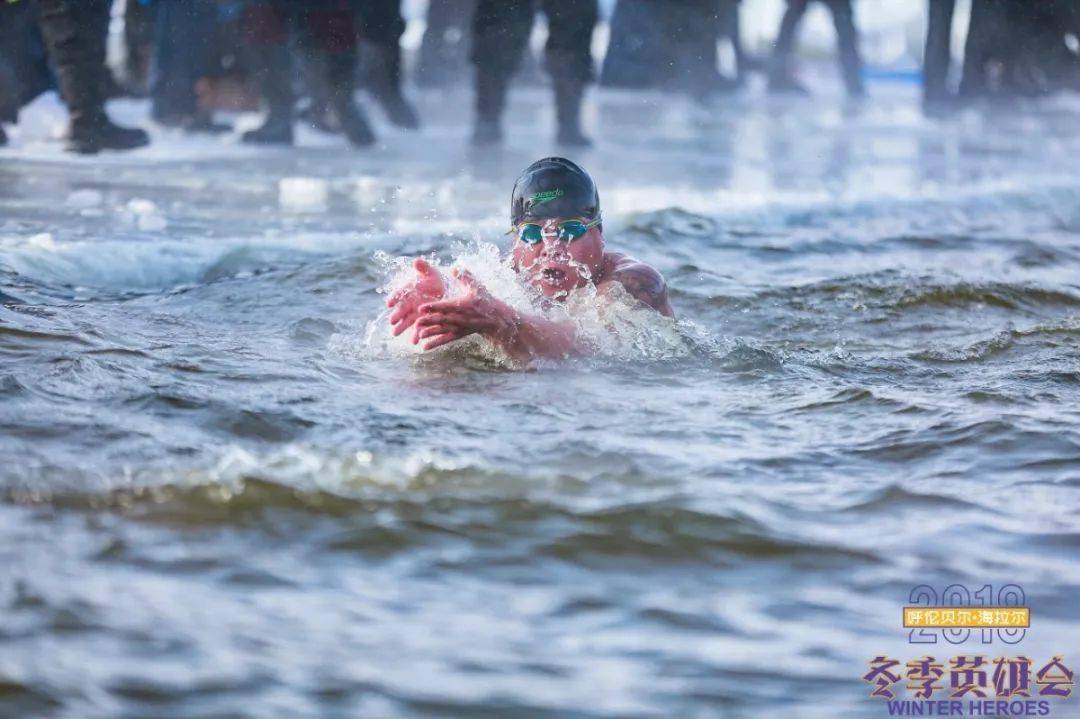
[531, 233]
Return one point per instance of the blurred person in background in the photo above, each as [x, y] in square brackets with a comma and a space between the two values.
[378, 54]
[183, 43]
[672, 45]
[381, 27]
[75, 33]
[326, 34]
[444, 50]
[1013, 49]
[138, 45]
[24, 68]
[937, 55]
[782, 72]
[501, 30]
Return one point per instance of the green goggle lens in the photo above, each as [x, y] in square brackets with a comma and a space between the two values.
[532, 233]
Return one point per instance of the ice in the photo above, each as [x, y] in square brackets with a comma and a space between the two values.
[144, 215]
[85, 198]
[303, 194]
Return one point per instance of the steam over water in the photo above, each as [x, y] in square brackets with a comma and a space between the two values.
[227, 493]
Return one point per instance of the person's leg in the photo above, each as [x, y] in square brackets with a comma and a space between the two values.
[172, 69]
[140, 25]
[781, 73]
[937, 57]
[9, 93]
[444, 49]
[383, 27]
[183, 42]
[692, 28]
[330, 38]
[638, 55]
[987, 31]
[500, 33]
[75, 33]
[569, 61]
[1040, 51]
[732, 29]
[265, 31]
[12, 57]
[1061, 64]
[847, 42]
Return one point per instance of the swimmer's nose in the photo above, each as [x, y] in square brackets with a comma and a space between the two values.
[553, 248]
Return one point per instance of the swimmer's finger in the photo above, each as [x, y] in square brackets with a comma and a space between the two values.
[402, 312]
[432, 330]
[440, 318]
[441, 306]
[395, 296]
[420, 332]
[440, 341]
[404, 324]
[466, 278]
[402, 318]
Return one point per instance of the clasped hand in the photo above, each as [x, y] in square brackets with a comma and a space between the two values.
[422, 305]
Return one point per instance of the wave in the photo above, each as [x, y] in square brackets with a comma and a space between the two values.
[892, 289]
[434, 502]
[1061, 333]
[893, 498]
[110, 268]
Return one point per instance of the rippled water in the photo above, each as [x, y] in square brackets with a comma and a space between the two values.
[223, 497]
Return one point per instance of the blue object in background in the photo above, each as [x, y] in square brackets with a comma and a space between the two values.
[183, 39]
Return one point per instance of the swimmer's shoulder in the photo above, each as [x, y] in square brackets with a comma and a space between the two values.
[641, 280]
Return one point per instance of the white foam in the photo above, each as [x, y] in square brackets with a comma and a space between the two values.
[42, 241]
[303, 194]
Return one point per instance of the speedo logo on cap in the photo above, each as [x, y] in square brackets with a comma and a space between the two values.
[542, 198]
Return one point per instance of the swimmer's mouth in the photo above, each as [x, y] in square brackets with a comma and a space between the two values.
[552, 275]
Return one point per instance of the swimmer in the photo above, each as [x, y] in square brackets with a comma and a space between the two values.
[558, 247]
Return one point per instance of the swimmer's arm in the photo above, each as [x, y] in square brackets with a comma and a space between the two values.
[525, 337]
[522, 336]
[644, 283]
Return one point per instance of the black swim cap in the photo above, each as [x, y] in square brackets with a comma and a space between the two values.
[554, 187]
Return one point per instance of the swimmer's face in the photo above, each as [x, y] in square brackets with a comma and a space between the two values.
[556, 266]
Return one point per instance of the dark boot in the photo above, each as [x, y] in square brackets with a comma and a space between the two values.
[277, 129]
[74, 34]
[275, 80]
[318, 115]
[90, 133]
[491, 89]
[341, 97]
[385, 82]
[3, 136]
[568, 97]
[203, 123]
[354, 123]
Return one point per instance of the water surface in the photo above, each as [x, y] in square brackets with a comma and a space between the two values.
[221, 499]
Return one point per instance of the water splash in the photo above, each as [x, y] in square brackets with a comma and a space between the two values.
[610, 324]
